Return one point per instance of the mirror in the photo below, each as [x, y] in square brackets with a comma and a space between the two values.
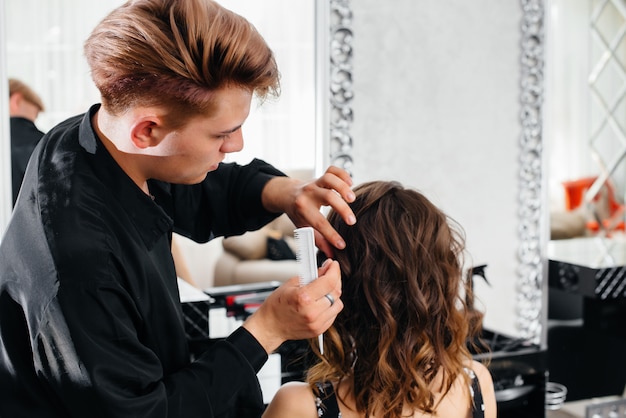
[440, 113]
[586, 123]
[448, 103]
[585, 131]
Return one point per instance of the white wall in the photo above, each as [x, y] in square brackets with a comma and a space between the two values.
[436, 106]
[5, 143]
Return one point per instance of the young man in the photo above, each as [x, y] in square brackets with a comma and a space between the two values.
[24, 108]
[90, 320]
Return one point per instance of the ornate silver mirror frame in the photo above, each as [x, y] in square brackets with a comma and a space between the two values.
[335, 118]
[532, 269]
[334, 76]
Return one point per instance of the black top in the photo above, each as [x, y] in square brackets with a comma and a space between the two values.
[24, 138]
[328, 407]
[90, 318]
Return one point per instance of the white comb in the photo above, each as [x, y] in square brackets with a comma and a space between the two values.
[305, 254]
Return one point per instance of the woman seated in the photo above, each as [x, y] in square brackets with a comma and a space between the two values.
[399, 348]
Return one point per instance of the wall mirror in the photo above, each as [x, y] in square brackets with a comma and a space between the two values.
[450, 101]
[348, 43]
[586, 124]
[585, 131]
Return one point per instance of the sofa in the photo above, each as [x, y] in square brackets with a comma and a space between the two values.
[264, 255]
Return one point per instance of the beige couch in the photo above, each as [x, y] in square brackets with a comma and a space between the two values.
[245, 258]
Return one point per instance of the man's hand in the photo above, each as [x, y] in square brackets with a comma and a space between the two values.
[301, 201]
[292, 312]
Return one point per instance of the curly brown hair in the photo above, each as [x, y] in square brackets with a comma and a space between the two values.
[177, 53]
[405, 316]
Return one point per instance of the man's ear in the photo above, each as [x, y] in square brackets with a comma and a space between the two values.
[14, 103]
[147, 131]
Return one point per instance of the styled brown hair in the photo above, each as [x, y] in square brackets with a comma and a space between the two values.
[176, 53]
[17, 86]
[406, 317]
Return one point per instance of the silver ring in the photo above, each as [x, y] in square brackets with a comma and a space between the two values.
[330, 298]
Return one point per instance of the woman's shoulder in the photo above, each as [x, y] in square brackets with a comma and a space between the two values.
[481, 371]
[293, 399]
[486, 388]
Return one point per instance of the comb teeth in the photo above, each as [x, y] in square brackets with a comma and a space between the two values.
[305, 254]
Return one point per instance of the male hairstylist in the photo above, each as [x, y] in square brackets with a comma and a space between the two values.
[90, 318]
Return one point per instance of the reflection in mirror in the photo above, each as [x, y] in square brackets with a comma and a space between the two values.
[585, 127]
[586, 123]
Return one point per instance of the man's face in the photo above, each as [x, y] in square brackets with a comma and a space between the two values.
[190, 152]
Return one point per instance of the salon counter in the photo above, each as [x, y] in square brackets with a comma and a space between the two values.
[592, 267]
[586, 311]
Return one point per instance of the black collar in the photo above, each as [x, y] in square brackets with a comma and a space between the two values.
[149, 218]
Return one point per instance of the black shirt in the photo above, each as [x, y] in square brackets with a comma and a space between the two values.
[90, 317]
[24, 138]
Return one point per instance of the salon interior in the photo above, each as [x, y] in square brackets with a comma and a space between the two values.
[509, 115]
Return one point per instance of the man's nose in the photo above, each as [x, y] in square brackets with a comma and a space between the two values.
[234, 143]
